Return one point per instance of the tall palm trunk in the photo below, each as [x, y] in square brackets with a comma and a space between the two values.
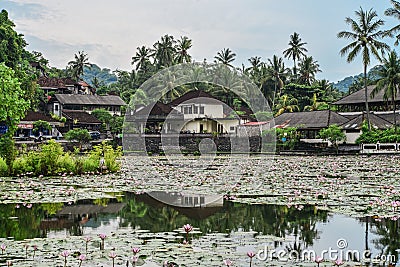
[366, 97]
[394, 113]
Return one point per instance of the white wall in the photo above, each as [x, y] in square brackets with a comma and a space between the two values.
[351, 137]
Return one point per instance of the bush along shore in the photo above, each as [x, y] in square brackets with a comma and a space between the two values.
[52, 160]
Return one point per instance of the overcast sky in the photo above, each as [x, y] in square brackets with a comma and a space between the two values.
[110, 31]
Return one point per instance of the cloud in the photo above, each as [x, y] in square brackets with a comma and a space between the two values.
[23, 11]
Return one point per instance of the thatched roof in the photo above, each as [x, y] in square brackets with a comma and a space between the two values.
[81, 116]
[358, 98]
[310, 120]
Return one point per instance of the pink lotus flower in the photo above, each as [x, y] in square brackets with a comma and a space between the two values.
[81, 258]
[319, 259]
[112, 255]
[135, 250]
[228, 262]
[338, 262]
[65, 253]
[3, 247]
[102, 236]
[251, 254]
[188, 228]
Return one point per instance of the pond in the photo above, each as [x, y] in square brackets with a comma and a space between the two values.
[224, 229]
[277, 207]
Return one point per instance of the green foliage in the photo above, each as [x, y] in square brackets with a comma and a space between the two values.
[333, 134]
[374, 136]
[41, 125]
[7, 150]
[263, 115]
[110, 156]
[66, 163]
[287, 137]
[82, 136]
[12, 102]
[3, 167]
[104, 76]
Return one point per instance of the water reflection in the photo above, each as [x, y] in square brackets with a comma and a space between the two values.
[307, 227]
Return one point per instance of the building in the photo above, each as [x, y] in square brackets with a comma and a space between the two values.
[203, 113]
[26, 125]
[84, 102]
[356, 101]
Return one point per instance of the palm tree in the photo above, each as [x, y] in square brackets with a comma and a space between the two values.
[286, 103]
[225, 56]
[276, 69]
[164, 51]
[184, 44]
[315, 105]
[295, 51]
[77, 66]
[394, 12]
[142, 57]
[364, 35]
[389, 81]
[308, 68]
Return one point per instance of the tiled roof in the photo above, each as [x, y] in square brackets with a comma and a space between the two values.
[359, 97]
[74, 99]
[310, 119]
[36, 116]
[80, 116]
[55, 82]
[376, 122]
[195, 96]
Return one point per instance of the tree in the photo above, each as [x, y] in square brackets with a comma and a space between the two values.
[308, 68]
[142, 57]
[103, 115]
[164, 51]
[77, 66]
[12, 44]
[12, 108]
[225, 56]
[276, 69]
[182, 47]
[333, 134]
[82, 136]
[315, 105]
[41, 126]
[286, 103]
[389, 81]
[394, 12]
[365, 37]
[295, 51]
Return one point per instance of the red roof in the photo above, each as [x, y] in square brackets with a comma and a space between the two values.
[255, 123]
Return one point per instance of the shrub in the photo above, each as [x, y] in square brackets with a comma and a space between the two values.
[90, 164]
[66, 163]
[3, 167]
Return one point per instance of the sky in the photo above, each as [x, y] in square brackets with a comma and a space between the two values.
[110, 31]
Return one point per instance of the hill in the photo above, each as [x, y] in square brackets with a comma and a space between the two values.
[343, 85]
[103, 75]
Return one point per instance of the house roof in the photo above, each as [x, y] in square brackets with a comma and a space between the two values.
[96, 100]
[376, 122]
[80, 116]
[36, 116]
[156, 110]
[55, 82]
[389, 117]
[310, 119]
[358, 98]
[91, 209]
[195, 96]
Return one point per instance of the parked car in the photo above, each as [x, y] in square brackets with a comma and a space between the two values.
[95, 135]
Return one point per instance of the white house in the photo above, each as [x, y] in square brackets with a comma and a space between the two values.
[205, 114]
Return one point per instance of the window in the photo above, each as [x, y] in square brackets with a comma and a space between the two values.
[201, 110]
[232, 128]
[187, 110]
[55, 107]
[195, 110]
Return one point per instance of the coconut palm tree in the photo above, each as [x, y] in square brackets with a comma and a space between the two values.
[315, 104]
[308, 68]
[394, 12]
[389, 81]
[77, 66]
[286, 103]
[142, 57]
[276, 69]
[182, 47]
[364, 38]
[164, 51]
[225, 56]
[295, 51]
